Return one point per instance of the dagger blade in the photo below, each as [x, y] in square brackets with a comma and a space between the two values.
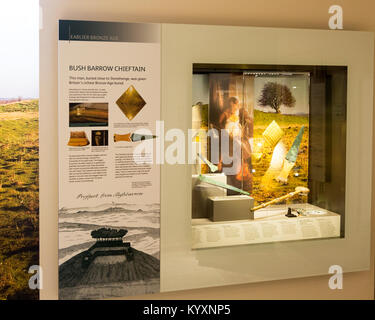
[140, 137]
[222, 185]
[292, 154]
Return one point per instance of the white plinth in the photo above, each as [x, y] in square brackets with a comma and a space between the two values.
[271, 226]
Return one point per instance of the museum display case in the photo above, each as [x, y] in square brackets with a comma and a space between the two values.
[281, 183]
[287, 194]
[269, 141]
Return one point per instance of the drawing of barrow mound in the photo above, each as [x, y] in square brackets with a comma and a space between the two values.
[109, 268]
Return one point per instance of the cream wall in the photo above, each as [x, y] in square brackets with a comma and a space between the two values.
[292, 14]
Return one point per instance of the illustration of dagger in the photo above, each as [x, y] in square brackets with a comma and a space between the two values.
[132, 137]
[290, 158]
[212, 167]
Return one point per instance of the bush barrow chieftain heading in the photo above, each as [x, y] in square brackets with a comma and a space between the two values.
[107, 68]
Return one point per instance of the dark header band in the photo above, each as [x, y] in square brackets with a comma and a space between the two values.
[74, 30]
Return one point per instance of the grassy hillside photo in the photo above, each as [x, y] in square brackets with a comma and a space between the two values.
[19, 200]
[267, 189]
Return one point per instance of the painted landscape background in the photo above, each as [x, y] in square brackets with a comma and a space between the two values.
[19, 197]
[293, 94]
[268, 189]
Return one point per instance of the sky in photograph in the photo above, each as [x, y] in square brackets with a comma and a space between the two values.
[19, 49]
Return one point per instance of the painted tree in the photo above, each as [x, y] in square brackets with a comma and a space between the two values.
[275, 94]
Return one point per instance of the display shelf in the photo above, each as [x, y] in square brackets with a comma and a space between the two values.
[270, 225]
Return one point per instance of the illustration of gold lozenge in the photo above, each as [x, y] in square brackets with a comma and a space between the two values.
[273, 134]
[131, 102]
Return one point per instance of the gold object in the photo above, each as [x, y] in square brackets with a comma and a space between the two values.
[122, 137]
[257, 156]
[257, 145]
[131, 102]
[297, 191]
[98, 135]
[87, 114]
[273, 134]
[78, 139]
[80, 110]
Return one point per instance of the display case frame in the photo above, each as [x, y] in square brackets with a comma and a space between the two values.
[184, 45]
[321, 171]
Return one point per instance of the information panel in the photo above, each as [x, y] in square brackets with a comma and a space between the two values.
[109, 194]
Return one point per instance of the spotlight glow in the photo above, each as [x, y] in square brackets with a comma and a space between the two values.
[278, 156]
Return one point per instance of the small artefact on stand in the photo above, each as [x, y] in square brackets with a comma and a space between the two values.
[290, 214]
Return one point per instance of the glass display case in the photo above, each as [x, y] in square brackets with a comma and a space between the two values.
[270, 143]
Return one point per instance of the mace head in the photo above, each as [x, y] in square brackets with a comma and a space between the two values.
[302, 190]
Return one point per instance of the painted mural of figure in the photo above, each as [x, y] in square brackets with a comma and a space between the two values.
[236, 119]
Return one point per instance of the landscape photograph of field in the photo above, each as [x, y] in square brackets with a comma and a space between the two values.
[280, 136]
[88, 114]
[19, 198]
[265, 185]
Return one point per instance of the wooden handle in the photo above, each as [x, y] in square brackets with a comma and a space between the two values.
[298, 190]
